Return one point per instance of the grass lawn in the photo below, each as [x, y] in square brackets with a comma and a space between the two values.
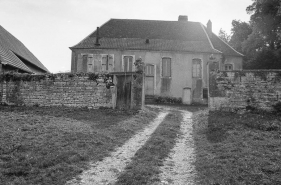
[144, 168]
[238, 149]
[50, 145]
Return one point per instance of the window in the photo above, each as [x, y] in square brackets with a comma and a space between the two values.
[166, 67]
[228, 67]
[149, 70]
[196, 68]
[128, 63]
[107, 63]
[89, 63]
[205, 93]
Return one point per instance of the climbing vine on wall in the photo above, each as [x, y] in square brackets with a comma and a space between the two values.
[97, 77]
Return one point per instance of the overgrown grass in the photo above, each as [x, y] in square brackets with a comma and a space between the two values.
[144, 168]
[50, 145]
[238, 149]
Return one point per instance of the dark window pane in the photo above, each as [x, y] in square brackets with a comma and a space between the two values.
[166, 67]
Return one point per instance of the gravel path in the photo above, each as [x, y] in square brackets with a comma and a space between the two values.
[178, 168]
[107, 170]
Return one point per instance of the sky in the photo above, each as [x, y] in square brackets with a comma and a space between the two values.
[49, 27]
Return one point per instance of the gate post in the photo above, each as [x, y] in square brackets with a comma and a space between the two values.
[143, 88]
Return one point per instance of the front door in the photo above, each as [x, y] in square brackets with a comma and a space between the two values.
[149, 79]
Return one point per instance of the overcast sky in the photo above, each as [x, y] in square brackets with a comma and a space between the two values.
[49, 27]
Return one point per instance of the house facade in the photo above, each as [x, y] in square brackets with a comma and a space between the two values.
[14, 56]
[177, 54]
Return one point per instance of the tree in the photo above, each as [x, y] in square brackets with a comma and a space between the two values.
[266, 20]
[224, 36]
[240, 32]
[263, 45]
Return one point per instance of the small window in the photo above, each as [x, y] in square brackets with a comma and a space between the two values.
[228, 67]
[166, 67]
[196, 68]
[128, 63]
[205, 93]
[149, 70]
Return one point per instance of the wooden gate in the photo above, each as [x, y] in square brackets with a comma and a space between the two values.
[124, 85]
[129, 90]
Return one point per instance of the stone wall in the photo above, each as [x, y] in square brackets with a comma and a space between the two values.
[56, 90]
[244, 90]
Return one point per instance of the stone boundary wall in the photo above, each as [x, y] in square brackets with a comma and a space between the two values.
[61, 90]
[244, 90]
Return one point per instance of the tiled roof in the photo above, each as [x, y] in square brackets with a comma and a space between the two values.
[154, 44]
[11, 48]
[223, 47]
[163, 35]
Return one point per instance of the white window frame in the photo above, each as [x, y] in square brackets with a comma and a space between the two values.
[161, 67]
[202, 67]
[133, 65]
[229, 64]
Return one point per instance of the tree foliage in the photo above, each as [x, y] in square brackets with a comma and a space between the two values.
[240, 32]
[260, 39]
[224, 36]
[266, 20]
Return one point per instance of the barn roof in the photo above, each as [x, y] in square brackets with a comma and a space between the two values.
[14, 53]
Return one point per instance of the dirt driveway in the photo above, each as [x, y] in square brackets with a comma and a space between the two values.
[177, 168]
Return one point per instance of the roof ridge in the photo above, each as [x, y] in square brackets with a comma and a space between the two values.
[155, 20]
[209, 38]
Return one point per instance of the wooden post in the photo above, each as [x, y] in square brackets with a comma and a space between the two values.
[114, 92]
[143, 88]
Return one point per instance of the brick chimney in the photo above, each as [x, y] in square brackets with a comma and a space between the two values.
[209, 28]
[97, 37]
[183, 18]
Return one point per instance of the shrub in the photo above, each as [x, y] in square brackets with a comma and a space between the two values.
[277, 107]
[167, 99]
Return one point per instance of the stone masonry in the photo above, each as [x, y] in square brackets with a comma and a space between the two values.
[244, 90]
[64, 90]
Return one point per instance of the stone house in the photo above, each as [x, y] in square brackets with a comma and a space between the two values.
[177, 54]
[15, 56]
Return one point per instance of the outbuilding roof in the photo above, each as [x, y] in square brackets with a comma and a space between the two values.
[13, 52]
[136, 34]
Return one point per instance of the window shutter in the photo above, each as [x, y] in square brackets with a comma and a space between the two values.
[104, 63]
[110, 63]
[79, 63]
[130, 64]
[84, 63]
[169, 68]
[90, 64]
[125, 64]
